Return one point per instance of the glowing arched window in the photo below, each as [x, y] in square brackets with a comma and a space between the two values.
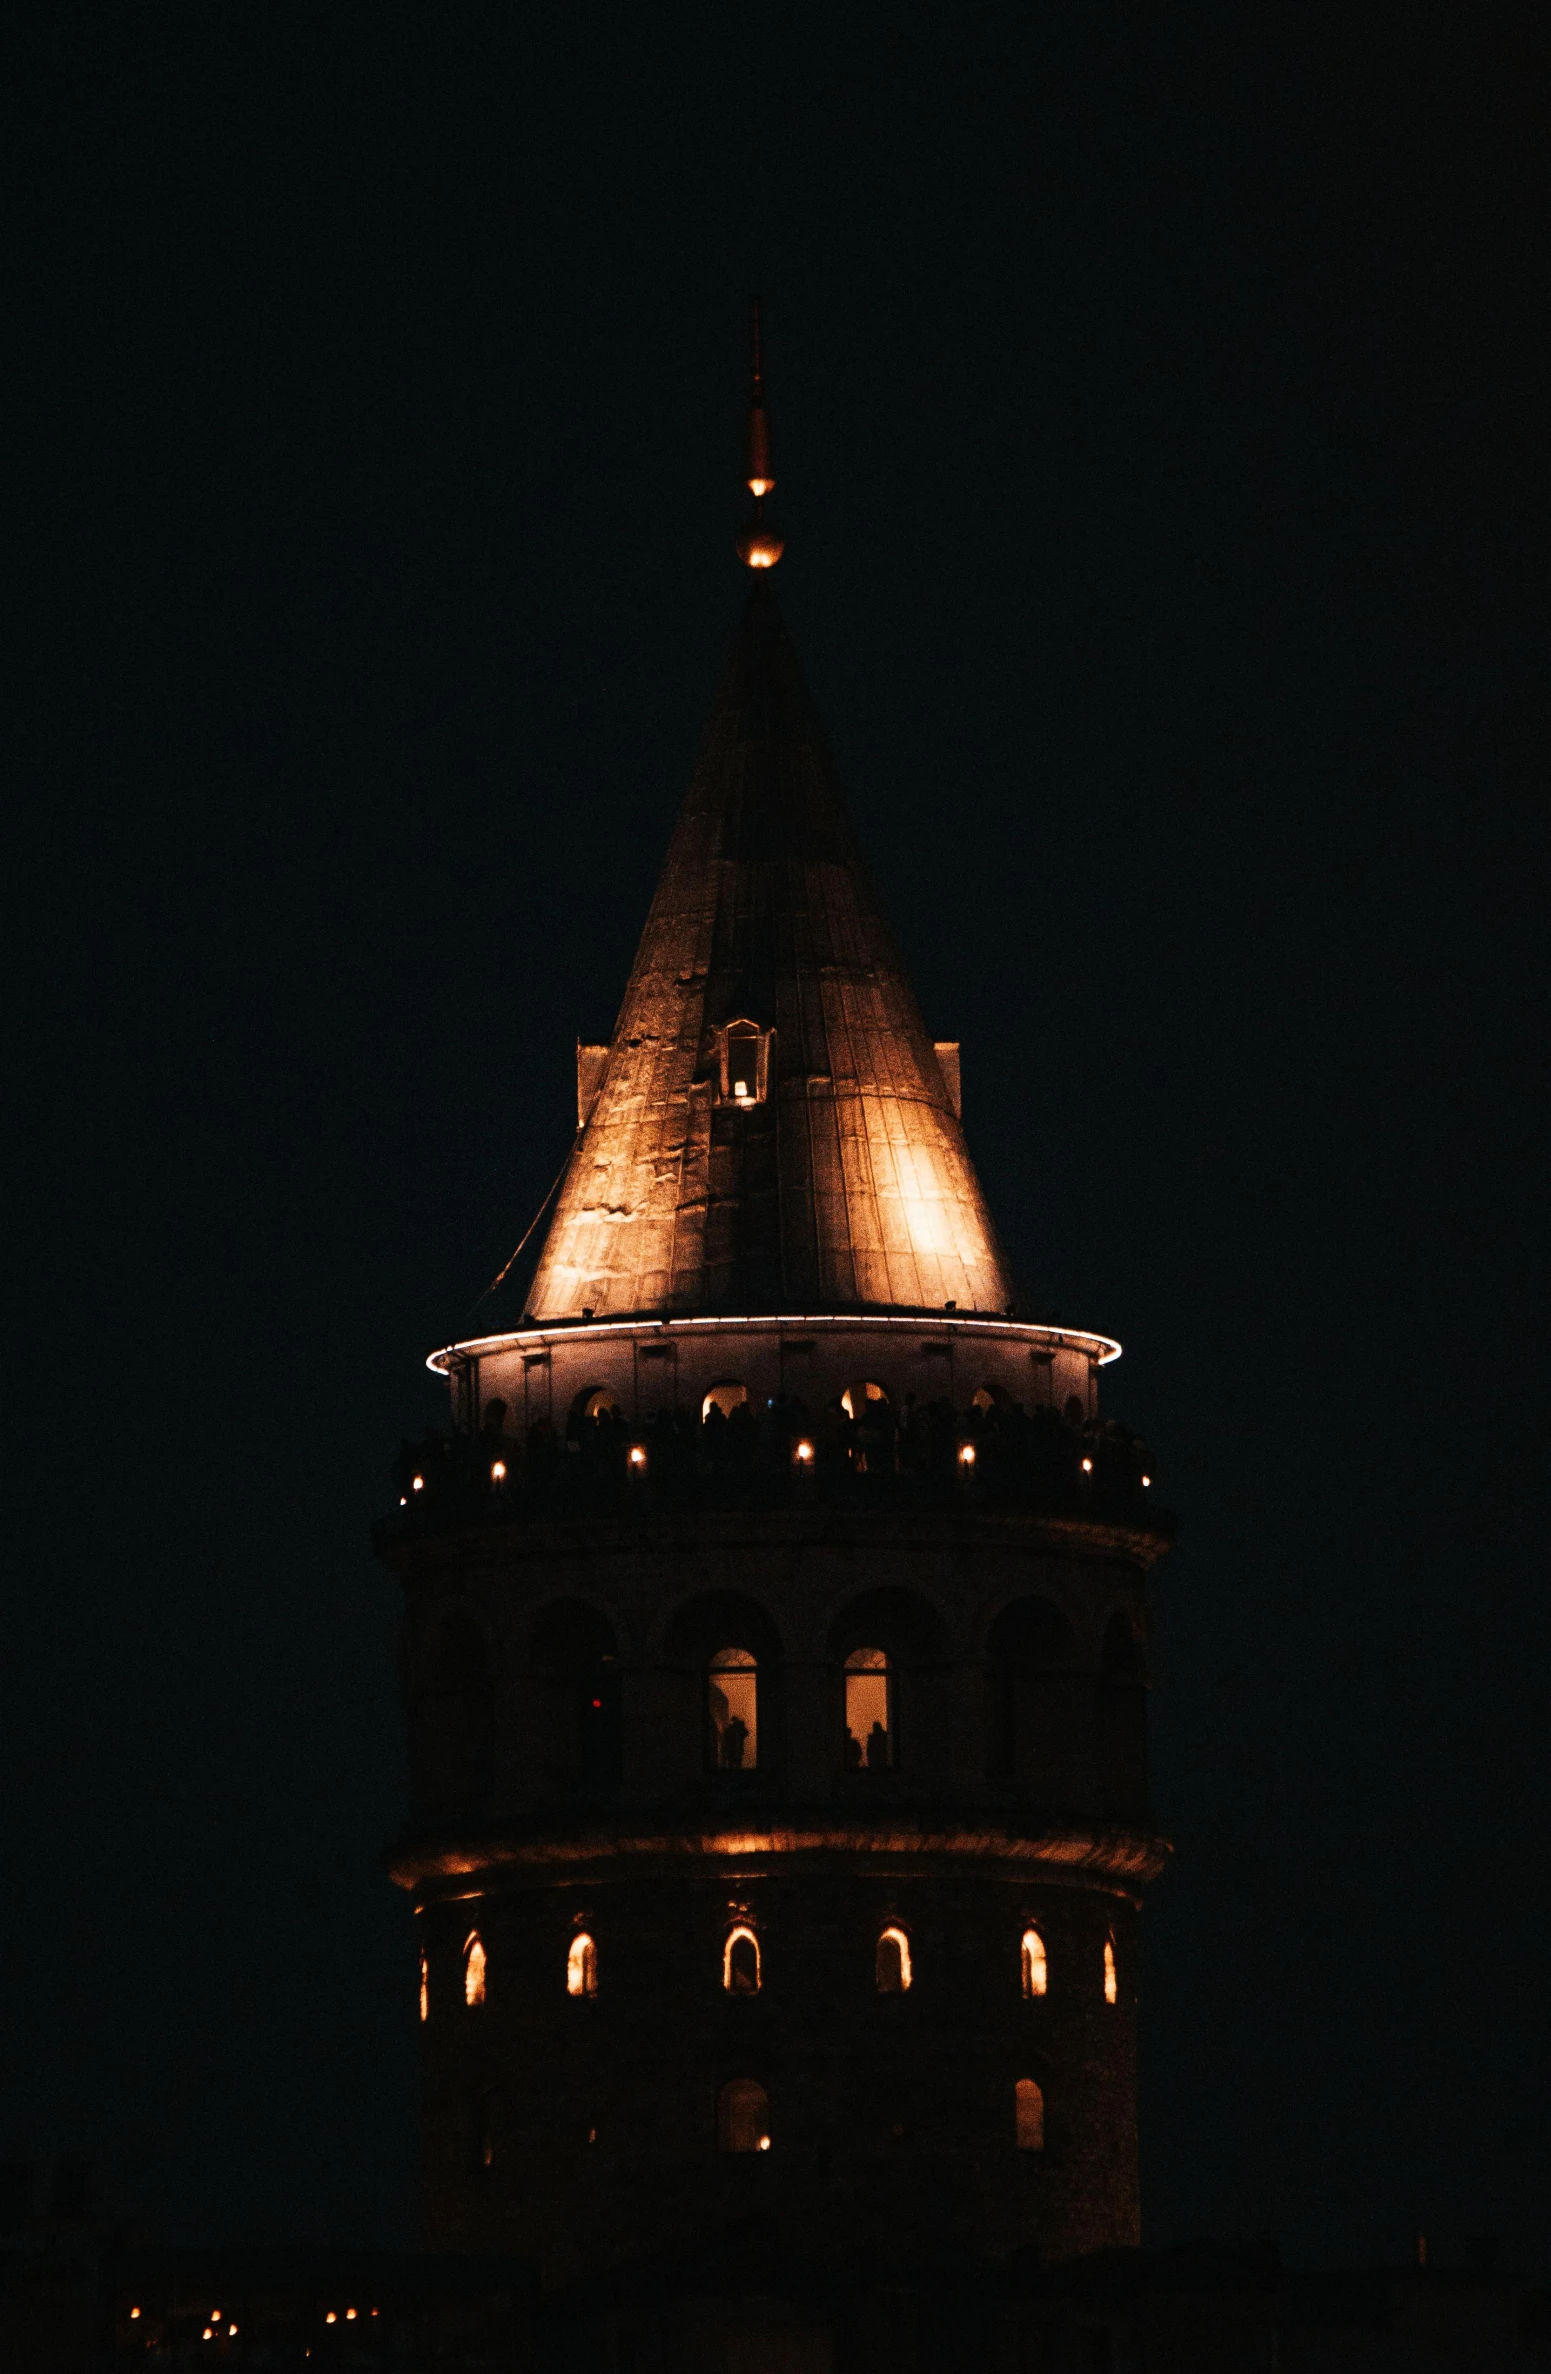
[1029, 2107]
[743, 1062]
[474, 1971]
[726, 1397]
[864, 1400]
[869, 1729]
[982, 1399]
[1111, 1980]
[581, 1966]
[743, 2116]
[732, 1710]
[425, 1988]
[600, 1403]
[1036, 1970]
[740, 1961]
[891, 1962]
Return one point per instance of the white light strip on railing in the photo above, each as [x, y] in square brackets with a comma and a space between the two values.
[1021, 1330]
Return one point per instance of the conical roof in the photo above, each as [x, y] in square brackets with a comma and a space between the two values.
[840, 1181]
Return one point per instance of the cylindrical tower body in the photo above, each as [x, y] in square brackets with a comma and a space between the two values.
[775, 1639]
[780, 1775]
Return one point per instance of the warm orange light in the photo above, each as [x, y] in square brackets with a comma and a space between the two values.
[134, 2312]
[581, 1966]
[740, 1969]
[804, 1454]
[759, 547]
[760, 487]
[966, 1454]
[892, 1963]
[474, 1972]
[498, 1472]
[1146, 1481]
[350, 2316]
[425, 1988]
[231, 2328]
[764, 2143]
[1111, 1979]
[331, 2318]
[418, 1485]
[638, 1454]
[376, 2312]
[1036, 1969]
[205, 2335]
[1087, 1467]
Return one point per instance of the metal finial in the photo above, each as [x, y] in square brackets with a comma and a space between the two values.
[758, 546]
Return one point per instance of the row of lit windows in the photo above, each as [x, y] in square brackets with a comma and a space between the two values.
[743, 1968]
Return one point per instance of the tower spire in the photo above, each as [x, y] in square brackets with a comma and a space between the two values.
[759, 547]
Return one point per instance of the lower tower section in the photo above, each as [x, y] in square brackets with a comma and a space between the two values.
[777, 1708]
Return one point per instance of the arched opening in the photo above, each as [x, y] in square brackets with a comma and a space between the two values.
[1111, 1974]
[1029, 2108]
[474, 1971]
[1035, 1726]
[869, 1740]
[425, 1987]
[581, 1966]
[1036, 1969]
[742, 2116]
[732, 1711]
[595, 1402]
[573, 1649]
[743, 1062]
[1123, 1720]
[865, 1399]
[740, 1962]
[891, 1963]
[453, 1716]
[724, 1398]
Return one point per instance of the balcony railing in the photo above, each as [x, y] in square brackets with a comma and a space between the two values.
[943, 1459]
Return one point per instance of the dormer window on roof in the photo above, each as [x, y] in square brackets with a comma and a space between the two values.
[745, 1063]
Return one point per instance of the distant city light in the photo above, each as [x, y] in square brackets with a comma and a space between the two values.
[804, 1454]
[418, 1485]
[966, 1454]
[638, 1455]
[497, 1476]
[1087, 1467]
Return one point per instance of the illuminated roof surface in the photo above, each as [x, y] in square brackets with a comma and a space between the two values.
[849, 1187]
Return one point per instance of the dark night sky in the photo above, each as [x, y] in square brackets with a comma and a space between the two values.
[1162, 458]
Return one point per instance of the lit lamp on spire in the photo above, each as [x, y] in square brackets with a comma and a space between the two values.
[759, 547]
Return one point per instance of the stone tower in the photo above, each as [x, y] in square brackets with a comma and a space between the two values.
[775, 1629]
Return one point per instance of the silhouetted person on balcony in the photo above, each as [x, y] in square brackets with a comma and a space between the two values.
[853, 1752]
[735, 1740]
[877, 1748]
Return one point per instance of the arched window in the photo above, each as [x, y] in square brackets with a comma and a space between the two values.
[869, 1741]
[891, 1962]
[425, 1987]
[864, 1400]
[732, 1711]
[581, 1966]
[740, 1961]
[1029, 2108]
[743, 1062]
[474, 1971]
[1111, 1978]
[726, 1397]
[1036, 1970]
[743, 2116]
